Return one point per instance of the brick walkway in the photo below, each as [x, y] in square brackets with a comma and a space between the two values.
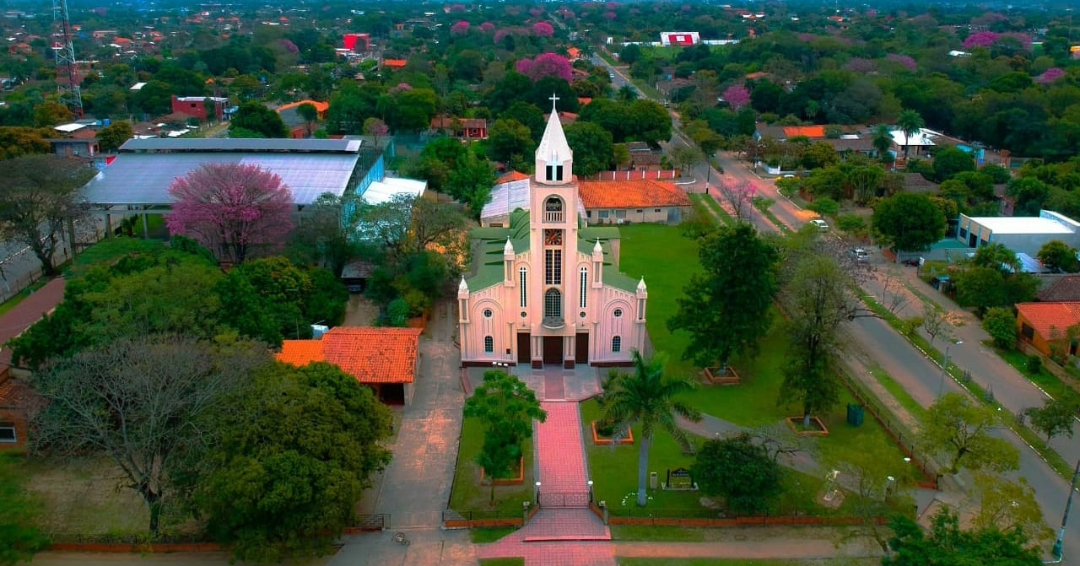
[562, 457]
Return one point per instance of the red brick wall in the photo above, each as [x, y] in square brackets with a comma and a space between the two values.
[10, 415]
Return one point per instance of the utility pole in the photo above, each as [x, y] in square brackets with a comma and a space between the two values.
[1059, 544]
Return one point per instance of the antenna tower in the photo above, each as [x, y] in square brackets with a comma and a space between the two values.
[67, 79]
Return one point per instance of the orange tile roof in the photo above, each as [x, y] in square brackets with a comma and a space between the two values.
[1050, 318]
[512, 176]
[573, 52]
[632, 193]
[808, 131]
[394, 63]
[321, 107]
[371, 355]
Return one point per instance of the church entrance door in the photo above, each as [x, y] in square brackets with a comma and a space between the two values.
[523, 348]
[581, 348]
[553, 353]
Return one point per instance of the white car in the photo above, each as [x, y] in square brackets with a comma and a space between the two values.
[861, 254]
[820, 224]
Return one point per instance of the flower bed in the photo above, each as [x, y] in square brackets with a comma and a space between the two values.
[796, 425]
[607, 441]
[721, 376]
[518, 480]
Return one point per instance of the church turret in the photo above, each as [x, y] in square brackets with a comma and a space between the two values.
[508, 262]
[597, 265]
[554, 158]
[642, 295]
[463, 300]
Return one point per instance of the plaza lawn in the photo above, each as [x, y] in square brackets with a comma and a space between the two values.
[614, 475]
[470, 496]
[666, 259]
[502, 562]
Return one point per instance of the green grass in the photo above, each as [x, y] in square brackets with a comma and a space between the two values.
[502, 562]
[483, 536]
[710, 204]
[470, 495]
[666, 259]
[1044, 379]
[899, 393]
[614, 471]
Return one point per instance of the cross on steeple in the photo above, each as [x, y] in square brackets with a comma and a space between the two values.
[553, 99]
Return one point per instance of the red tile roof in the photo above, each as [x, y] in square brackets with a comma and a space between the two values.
[808, 131]
[1064, 288]
[512, 176]
[320, 107]
[1050, 318]
[633, 193]
[395, 63]
[371, 355]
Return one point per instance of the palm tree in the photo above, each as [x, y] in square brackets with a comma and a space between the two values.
[646, 397]
[882, 140]
[910, 123]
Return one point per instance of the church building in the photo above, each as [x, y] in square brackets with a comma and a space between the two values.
[544, 288]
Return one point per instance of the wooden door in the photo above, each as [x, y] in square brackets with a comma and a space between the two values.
[553, 350]
[581, 348]
[524, 353]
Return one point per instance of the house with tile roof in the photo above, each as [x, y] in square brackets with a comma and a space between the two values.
[297, 125]
[385, 359]
[465, 129]
[16, 399]
[1046, 326]
[633, 200]
[1058, 288]
[544, 288]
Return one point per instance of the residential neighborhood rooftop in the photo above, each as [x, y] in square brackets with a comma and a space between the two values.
[1048, 318]
[370, 354]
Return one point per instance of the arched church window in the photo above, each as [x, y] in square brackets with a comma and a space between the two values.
[552, 304]
[616, 344]
[489, 344]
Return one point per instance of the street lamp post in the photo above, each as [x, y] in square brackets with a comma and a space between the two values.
[945, 366]
[1059, 544]
[590, 491]
[538, 494]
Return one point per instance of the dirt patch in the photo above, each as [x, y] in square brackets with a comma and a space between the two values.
[361, 311]
[84, 497]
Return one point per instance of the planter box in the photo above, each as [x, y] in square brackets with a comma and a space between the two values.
[716, 376]
[520, 479]
[605, 441]
[795, 423]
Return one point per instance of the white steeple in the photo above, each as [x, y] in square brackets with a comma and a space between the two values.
[596, 249]
[463, 289]
[554, 158]
[641, 288]
[508, 249]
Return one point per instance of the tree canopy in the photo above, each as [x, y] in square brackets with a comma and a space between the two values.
[909, 221]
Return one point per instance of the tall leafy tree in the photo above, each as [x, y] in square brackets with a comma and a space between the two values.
[506, 408]
[909, 221]
[1058, 255]
[509, 139]
[232, 209]
[297, 448]
[1054, 418]
[881, 139]
[648, 398]
[40, 200]
[592, 148]
[960, 430]
[139, 402]
[256, 118]
[727, 309]
[739, 470]
[946, 543]
[111, 137]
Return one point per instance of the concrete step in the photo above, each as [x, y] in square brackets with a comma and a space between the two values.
[565, 538]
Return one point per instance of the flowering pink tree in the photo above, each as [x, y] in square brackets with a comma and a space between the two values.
[545, 65]
[609, 15]
[502, 33]
[736, 96]
[980, 39]
[740, 194]
[536, 12]
[906, 61]
[232, 209]
[1050, 75]
[486, 27]
[375, 128]
[459, 28]
[543, 29]
[289, 46]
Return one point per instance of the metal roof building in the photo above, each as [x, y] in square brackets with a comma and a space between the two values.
[145, 168]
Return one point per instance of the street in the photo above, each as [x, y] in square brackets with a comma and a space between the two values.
[919, 376]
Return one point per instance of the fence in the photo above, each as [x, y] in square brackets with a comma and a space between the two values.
[564, 499]
[667, 174]
[900, 434]
[371, 522]
[21, 269]
[708, 518]
[484, 518]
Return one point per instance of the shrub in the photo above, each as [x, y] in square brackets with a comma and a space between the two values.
[852, 223]
[1000, 324]
[1033, 365]
[912, 324]
[825, 206]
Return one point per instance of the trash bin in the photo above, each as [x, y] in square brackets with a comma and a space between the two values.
[855, 414]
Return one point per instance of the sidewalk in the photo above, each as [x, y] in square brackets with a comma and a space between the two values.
[1010, 388]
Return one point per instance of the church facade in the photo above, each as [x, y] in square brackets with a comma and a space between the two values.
[544, 289]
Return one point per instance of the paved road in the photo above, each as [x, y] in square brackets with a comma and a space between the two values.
[921, 377]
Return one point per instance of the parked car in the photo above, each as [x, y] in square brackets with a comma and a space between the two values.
[820, 224]
[861, 254]
[911, 262]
